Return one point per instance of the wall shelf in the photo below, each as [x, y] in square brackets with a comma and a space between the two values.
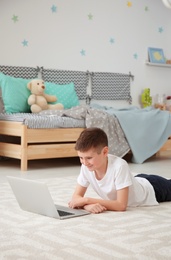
[158, 64]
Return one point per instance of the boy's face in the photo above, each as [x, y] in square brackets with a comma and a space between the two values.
[93, 159]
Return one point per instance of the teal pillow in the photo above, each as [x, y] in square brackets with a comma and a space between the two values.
[65, 94]
[14, 94]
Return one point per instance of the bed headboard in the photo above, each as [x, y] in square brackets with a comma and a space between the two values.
[103, 85]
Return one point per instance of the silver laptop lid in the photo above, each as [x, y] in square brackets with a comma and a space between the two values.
[35, 197]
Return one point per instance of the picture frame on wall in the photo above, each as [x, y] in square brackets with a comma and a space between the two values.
[156, 55]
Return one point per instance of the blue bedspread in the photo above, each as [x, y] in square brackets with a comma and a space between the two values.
[146, 129]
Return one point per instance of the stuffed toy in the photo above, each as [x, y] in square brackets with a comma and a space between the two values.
[160, 106]
[146, 99]
[38, 100]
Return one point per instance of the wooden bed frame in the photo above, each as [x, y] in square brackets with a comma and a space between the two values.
[37, 143]
[166, 147]
[43, 143]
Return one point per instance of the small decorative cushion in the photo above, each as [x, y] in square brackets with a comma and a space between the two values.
[65, 94]
[15, 94]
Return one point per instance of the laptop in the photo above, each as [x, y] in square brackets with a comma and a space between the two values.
[34, 196]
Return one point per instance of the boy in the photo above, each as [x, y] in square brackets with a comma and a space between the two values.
[111, 178]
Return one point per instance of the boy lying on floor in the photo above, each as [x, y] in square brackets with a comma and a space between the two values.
[111, 179]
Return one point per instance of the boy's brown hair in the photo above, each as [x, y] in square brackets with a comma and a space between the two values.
[91, 138]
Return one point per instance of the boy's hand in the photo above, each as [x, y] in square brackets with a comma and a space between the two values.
[95, 208]
[77, 202]
[80, 202]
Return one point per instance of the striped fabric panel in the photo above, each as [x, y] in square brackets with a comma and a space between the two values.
[79, 78]
[19, 72]
[111, 86]
[38, 121]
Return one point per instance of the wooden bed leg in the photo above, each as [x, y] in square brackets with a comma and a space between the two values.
[24, 160]
[23, 165]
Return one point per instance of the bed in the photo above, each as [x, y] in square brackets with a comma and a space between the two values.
[52, 134]
[19, 141]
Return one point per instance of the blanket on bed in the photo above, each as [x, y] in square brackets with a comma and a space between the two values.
[118, 144]
[146, 129]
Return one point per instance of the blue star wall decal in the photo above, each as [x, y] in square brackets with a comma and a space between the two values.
[135, 56]
[15, 18]
[90, 16]
[160, 29]
[112, 40]
[54, 8]
[25, 43]
[83, 52]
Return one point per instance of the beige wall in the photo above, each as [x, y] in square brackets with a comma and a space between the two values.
[115, 39]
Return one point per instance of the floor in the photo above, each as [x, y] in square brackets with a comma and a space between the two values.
[142, 233]
[53, 168]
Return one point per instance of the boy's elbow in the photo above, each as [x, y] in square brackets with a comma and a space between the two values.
[122, 207]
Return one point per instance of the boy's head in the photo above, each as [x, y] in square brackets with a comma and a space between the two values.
[91, 138]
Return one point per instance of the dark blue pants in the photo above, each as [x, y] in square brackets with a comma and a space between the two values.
[162, 186]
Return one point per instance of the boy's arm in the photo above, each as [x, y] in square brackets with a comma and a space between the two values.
[79, 201]
[120, 204]
[79, 191]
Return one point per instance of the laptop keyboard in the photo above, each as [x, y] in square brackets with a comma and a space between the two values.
[64, 213]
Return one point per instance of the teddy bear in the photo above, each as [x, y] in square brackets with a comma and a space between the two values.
[38, 100]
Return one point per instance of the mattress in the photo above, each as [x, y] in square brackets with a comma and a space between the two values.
[36, 121]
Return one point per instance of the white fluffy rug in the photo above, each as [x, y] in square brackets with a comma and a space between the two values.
[138, 233]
